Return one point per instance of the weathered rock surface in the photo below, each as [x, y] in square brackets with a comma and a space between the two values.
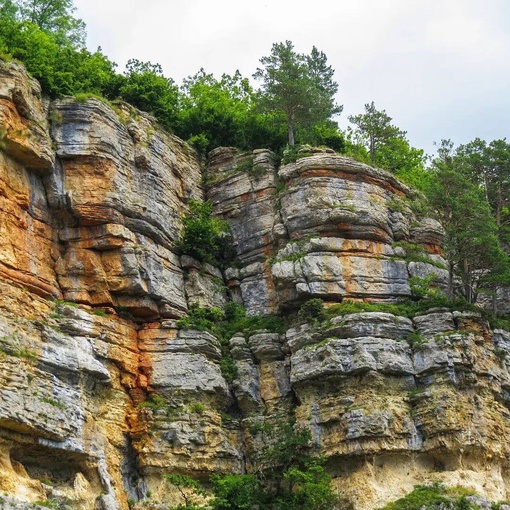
[244, 193]
[102, 394]
[343, 220]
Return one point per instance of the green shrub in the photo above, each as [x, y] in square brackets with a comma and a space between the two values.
[200, 143]
[203, 237]
[236, 492]
[308, 488]
[312, 311]
[197, 408]
[188, 488]
[154, 402]
[415, 340]
[245, 165]
[436, 495]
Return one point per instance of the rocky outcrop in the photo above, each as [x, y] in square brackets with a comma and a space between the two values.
[91, 203]
[325, 226]
[344, 222]
[102, 393]
[242, 189]
[119, 242]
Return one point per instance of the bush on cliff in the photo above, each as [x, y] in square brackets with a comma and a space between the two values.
[204, 237]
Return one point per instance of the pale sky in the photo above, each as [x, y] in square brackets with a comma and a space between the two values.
[440, 68]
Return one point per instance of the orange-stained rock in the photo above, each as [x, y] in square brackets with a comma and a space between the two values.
[28, 244]
[24, 125]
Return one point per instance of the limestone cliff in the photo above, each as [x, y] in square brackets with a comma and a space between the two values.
[101, 394]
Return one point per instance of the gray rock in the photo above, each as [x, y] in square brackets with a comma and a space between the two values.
[375, 324]
[342, 357]
[433, 324]
[266, 346]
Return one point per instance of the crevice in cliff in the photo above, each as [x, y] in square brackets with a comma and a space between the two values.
[134, 484]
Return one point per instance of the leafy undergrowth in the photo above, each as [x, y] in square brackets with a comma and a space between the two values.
[434, 496]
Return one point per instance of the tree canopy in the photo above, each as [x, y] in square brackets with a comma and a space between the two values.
[374, 130]
[473, 246]
[299, 86]
[54, 16]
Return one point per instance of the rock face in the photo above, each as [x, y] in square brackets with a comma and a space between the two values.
[101, 392]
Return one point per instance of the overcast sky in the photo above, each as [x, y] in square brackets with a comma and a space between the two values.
[440, 68]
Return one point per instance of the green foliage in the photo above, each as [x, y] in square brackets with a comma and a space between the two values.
[425, 497]
[307, 488]
[145, 87]
[472, 246]
[200, 143]
[201, 319]
[415, 340]
[60, 67]
[312, 311]
[197, 408]
[54, 403]
[291, 153]
[155, 402]
[424, 287]
[416, 253]
[325, 134]
[285, 446]
[56, 503]
[299, 86]
[374, 140]
[374, 130]
[236, 492]
[54, 16]
[233, 319]
[224, 112]
[285, 478]
[405, 308]
[188, 488]
[204, 237]
[245, 165]
[62, 302]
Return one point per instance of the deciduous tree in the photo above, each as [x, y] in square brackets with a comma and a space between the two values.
[55, 16]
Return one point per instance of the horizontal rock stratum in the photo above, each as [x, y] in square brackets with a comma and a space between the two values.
[101, 394]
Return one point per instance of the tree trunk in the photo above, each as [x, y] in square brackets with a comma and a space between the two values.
[450, 280]
[372, 149]
[291, 134]
[468, 287]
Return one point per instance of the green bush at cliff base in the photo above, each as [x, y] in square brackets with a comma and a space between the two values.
[285, 477]
[433, 496]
